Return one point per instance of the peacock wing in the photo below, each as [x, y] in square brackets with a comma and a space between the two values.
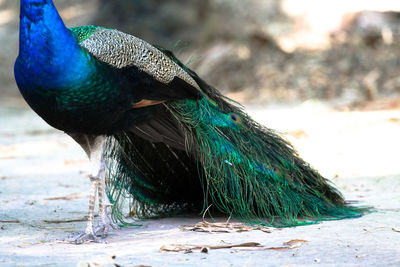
[151, 74]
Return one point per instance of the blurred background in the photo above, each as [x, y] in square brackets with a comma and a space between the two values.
[257, 51]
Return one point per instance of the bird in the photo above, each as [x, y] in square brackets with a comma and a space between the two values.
[157, 135]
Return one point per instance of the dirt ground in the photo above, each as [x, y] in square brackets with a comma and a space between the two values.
[43, 197]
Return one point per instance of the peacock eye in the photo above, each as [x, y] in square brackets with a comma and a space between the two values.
[235, 118]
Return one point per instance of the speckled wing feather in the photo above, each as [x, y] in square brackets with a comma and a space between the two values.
[122, 50]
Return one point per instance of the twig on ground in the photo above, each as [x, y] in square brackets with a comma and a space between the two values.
[68, 221]
[68, 197]
[9, 221]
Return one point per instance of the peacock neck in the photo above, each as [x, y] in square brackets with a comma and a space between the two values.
[48, 51]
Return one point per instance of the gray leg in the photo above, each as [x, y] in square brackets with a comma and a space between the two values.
[94, 146]
[105, 221]
[94, 149]
[89, 234]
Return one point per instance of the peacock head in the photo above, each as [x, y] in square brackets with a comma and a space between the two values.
[35, 2]
[34, 10]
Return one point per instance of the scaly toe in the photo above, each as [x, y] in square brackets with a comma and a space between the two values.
[82, 237]
[103, 228]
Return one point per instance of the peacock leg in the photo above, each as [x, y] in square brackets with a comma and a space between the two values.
[105, 221]
[89, 235]
[96, 176]
[93, 146]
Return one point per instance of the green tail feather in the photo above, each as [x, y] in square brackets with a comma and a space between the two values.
[242, 168]
[151, 179]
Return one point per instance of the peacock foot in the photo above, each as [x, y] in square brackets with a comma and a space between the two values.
[103, 228]
[105, 224]
[83, 237]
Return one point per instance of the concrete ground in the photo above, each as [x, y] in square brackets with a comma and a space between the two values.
[43, 197]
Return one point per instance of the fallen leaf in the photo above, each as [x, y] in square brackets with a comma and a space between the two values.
[185, 248]
[295, 243]
[178, 248]
[225, 227]
[264, 229]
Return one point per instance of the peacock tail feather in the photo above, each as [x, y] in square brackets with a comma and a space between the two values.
[153, 178]
[239, 166]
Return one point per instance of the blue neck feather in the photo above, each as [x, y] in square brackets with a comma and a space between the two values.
[49, 55]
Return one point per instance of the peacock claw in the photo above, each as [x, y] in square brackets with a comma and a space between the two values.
[103, 229]
[82, 237]
[104, 226]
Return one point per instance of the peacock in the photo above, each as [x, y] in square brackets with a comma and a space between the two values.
[159, 135]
